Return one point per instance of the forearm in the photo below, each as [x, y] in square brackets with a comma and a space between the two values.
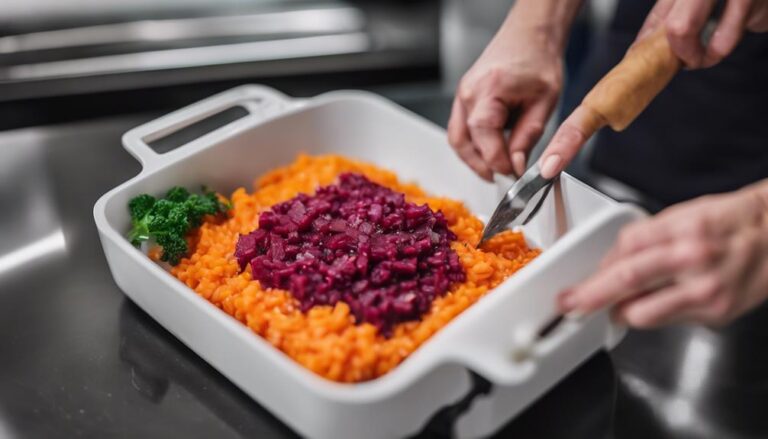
[547, 20]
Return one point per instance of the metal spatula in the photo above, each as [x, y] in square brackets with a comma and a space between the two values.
[520, 203]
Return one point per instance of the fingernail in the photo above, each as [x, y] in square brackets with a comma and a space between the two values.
[518, 162]
[551, 165]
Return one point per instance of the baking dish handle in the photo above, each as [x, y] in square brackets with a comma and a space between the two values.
[259, 101]
[487, 338]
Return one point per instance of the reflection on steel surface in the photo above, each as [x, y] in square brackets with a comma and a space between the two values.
[299, 22]
[681, 408]
[30, 227]
[678, 413]
[195, 56]
[695, 364]
[113, 45]
[5, 429]
[45, 246]
[160, 364]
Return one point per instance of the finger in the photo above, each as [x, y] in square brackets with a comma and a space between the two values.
[729, 31]
[747, 254]
[670, 224]
[644, 271]
[486, 129]
[567, 141]
[655, 18]
[527, 131]
[706, 303]
[457, 129]
[656, 308]
[758, 17]
[472, 158]
[638, 236]
[458, 137]
[719, 291]
[684, 23]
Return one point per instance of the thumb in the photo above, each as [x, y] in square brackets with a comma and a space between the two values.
[568, 141]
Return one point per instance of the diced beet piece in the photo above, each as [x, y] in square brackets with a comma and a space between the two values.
[277, 249]
[406, 266]
[338, 225]
[357, 242]
[403, 307]
[297, 212]
[299, 286]
[245, 249]
[366, 228]
[268, 219]
[391, 221]
[381, 275]
[339, 242]
[409, 286]
[375, 212]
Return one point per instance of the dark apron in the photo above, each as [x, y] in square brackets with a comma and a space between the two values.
[707, 132]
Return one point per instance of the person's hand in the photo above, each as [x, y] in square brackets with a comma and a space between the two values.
[685, 20]
[519, 74]
[703, 261]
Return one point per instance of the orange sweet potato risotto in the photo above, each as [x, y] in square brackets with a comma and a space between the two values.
[326, 339]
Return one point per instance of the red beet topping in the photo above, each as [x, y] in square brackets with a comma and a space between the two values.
[357, 242]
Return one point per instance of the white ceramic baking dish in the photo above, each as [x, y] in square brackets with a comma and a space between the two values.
[575, 226]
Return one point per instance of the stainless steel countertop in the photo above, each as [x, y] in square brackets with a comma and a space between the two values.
[78, 359]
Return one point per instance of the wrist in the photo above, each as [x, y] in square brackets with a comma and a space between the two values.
[545, 23]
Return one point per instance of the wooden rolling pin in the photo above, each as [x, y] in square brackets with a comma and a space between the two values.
[621, 95]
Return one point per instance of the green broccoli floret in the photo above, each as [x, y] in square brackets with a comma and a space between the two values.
[199, 206]
[169, 219]
[139, 206]
[177, 194]
[174, 248]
